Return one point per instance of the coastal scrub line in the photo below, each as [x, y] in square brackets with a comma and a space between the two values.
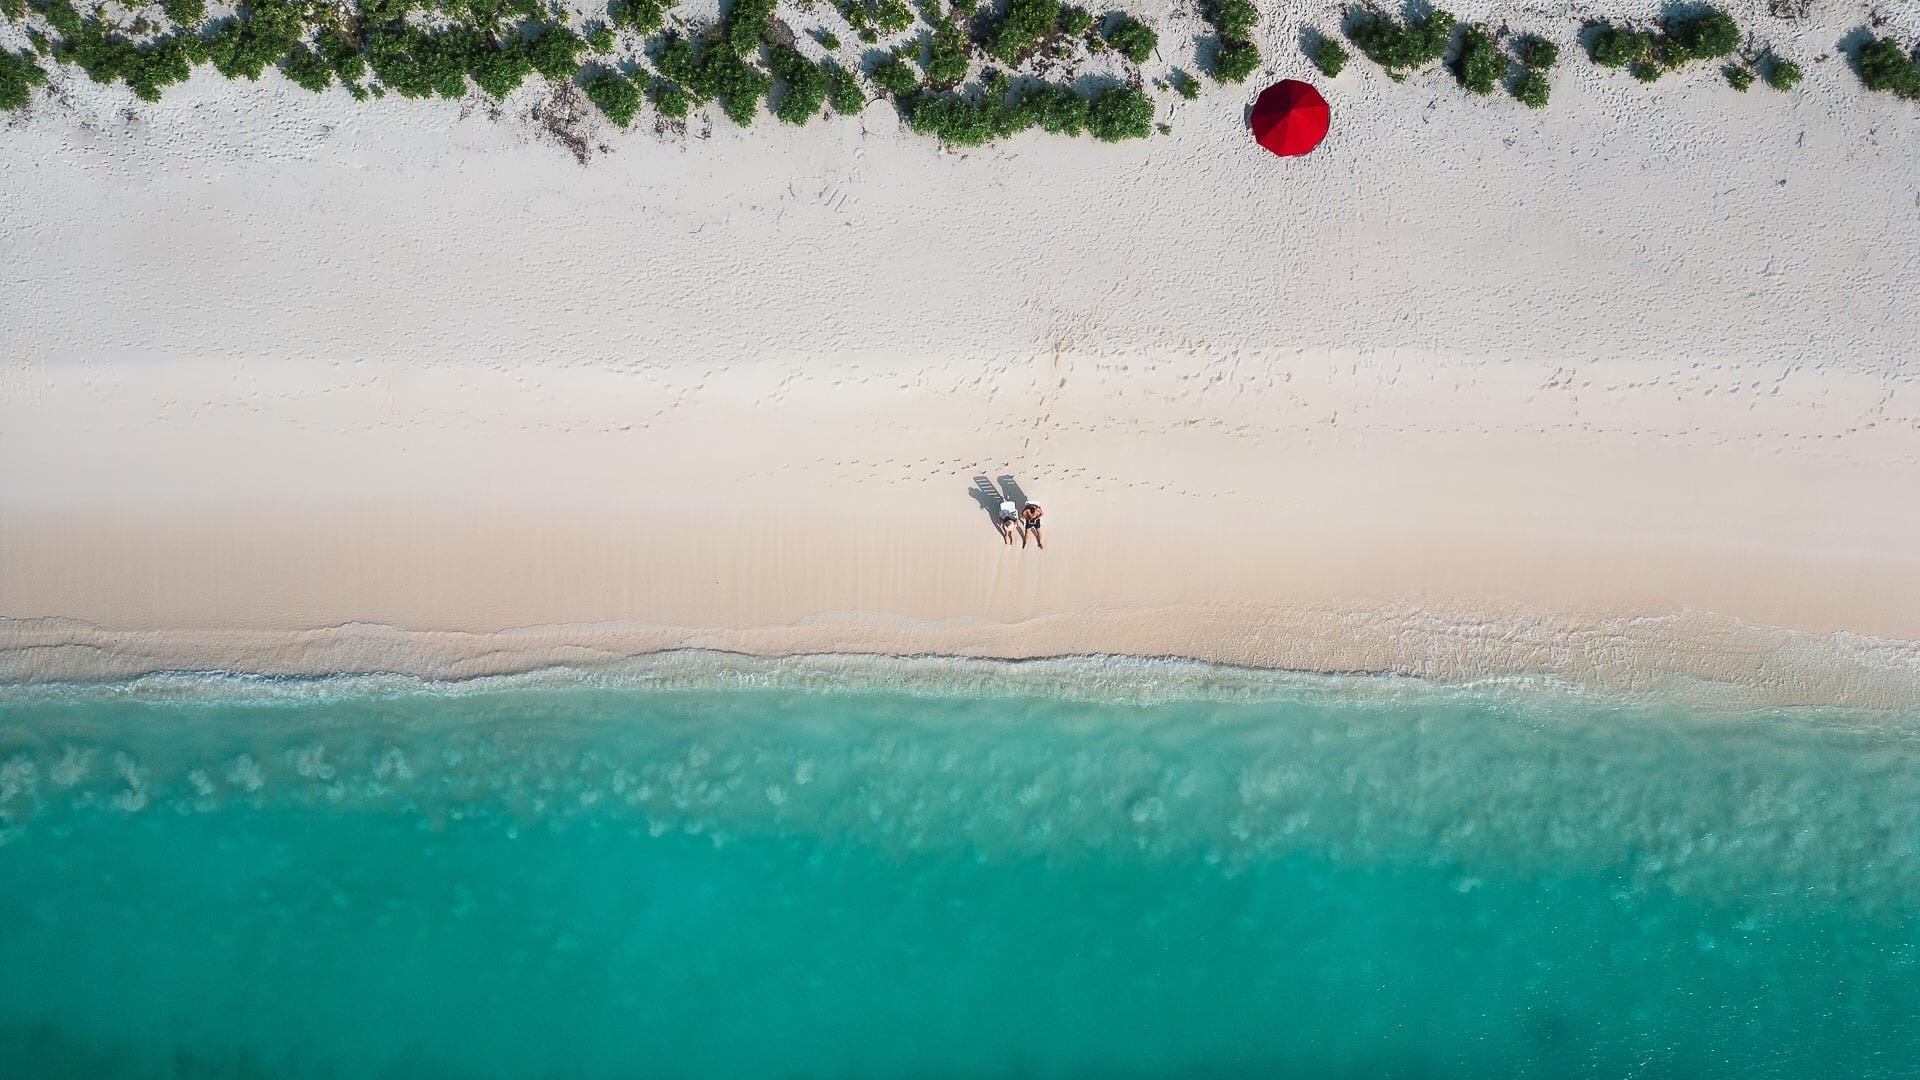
[640, 51]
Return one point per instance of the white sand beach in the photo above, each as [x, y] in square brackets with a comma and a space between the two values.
[1622, 392]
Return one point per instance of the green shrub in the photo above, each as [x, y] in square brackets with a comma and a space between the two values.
[1738, 76]
[1330, 57]
[806, 84]
[344, 54]
[146, 69]
[1885, 65]
[1783, 74]
[1234, 60]
[1130, 37]
[1537, 53]
[185, 13]
[947, 58]
[1120, 112]
[308, 69]
[641, 16]
[843, 91]
[61, 15]
[1401, 47]
[1532, 88]
[1233, 18]
[555, 52]
[264, 32]
[500, 71]
[896, 77]
[1481, 65]
[1022, 27]
[616, 95]
[1617, 46]
[1185, 85]
[419, 64]
[601, 40]
[1707, 35]
[670, 99]
[1075, 21]
[828, 39]
[738, 85]
[1647, 72]
[746, 25]
[18, 76]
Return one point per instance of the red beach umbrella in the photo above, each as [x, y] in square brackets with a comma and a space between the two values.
[1290, 118]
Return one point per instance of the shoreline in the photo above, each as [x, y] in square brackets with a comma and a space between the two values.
[1695, 660]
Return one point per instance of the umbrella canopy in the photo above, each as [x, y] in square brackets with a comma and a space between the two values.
[1290, 118]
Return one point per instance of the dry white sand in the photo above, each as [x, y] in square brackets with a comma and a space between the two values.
[1622, 392]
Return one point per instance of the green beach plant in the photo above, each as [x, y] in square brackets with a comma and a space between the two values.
[1532, 88]
[806, 85]
[1330, 57]
[1235, 56]
[616, 95]
[1129, 37]
[19, 74]
[1617, 46]
[1401, 47]
[1481, 64]
[670, 99]
[843, 91]
[1887, 66]
[1021, 28]
[185, 13]
[308, 69]
[1537, 53]
[1781, 73]
[1738, 76]
[1075, 21]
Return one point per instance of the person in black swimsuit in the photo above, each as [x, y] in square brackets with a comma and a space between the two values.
[1030, 522]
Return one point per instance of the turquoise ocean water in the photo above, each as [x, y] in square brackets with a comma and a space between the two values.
[949, 869]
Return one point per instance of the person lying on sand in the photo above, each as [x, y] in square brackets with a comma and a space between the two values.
[1030, 519]
[1007, 521]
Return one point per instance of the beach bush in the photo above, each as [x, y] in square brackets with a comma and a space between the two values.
[1481, 65]
[1738, 76]
[499, 71]
[616, 95]
[185, 13]
[1885, 65]
[1537, 53]
[896, 77]
[146, 69]
[843, 91]
[806, 85]
[1782, 74]
[670, 99]
[1185, 85]
[1330, 57]
[260, 36]
[738, 85]
[1234, 60]
[1130, 37]
[1120, 112]
[1402, 47]
[1021, 28]
[643, 17]
[61, 15]
[1708, 34]
[418, 64]
[947, 58]
[601, 40]
[1075, 21]
[1616, 46]
[746, 26]
[1232, 18]
[1532, 88]
[18, 76]
[344, 54]
[307, 69]
[555, 52]
[828, 40]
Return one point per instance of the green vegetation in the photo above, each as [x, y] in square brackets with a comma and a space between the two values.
[947, 57]
[308, 69]
[1330, 57]
[1114, 114]
[1615, 46]
[1235, 56]
[260, 36]
[185, 13]
[746, 26]
[1481, 65]
[1185, 85]
[1537, 53]
[1130, 37]
[670, 99]
[1708, 34]
[1075, 21]
[1402, 47]
[873, 18]
[147, 69]
[1782, 74]
[1021, 29]
[843, 91]
[601, 40]
[1886, 65]
[1738, 76]
[18, 76]
[806, 85]
[616, 95]
[644, 17]
[1532, 88]
[896, 77]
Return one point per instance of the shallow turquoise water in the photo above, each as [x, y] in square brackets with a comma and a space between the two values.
[949, 871]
